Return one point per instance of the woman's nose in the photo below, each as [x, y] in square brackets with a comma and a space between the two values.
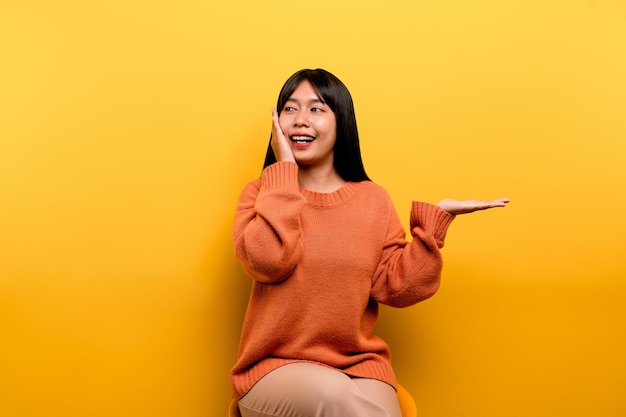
[301, 119]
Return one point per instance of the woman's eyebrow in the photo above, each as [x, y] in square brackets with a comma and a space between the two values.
[313, 100]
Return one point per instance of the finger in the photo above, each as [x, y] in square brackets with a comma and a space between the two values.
[501, 202]
[277, 132]
[496, 203]
[275, 124]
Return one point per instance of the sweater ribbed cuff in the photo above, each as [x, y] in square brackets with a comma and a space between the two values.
[432, 219]
[280, 175]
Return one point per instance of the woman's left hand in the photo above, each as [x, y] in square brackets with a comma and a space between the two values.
[468, 206]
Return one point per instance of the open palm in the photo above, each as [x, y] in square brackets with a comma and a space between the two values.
[468, 206]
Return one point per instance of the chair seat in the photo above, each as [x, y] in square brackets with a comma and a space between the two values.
[407, 404]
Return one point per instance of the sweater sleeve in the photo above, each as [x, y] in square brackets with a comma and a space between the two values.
[410, 272]
[267, 228]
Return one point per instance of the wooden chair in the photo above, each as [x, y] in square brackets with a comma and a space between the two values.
[407, 405]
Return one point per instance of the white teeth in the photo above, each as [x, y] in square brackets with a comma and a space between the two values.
[302, 139]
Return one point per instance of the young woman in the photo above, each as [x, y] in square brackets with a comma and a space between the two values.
[324, 246]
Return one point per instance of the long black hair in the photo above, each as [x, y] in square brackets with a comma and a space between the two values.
[347, 152]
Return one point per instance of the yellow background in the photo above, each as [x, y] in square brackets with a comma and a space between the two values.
[128, 129]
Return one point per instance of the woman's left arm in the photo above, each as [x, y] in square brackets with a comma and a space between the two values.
[410, 272]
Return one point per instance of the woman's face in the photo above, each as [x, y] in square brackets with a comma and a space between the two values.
[310, 126]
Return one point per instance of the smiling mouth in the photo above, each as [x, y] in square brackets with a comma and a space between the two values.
[302, 139]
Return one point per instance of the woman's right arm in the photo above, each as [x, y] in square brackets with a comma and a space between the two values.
[267, 229]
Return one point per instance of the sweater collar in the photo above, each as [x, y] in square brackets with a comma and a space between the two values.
[328, 200]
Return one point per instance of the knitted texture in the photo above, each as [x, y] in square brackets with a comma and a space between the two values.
[320, 264]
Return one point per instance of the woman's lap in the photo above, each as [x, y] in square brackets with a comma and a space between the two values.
[308, 390]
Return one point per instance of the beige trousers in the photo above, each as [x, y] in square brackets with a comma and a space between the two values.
[309, 390]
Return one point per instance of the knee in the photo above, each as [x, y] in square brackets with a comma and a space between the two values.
[339, 397]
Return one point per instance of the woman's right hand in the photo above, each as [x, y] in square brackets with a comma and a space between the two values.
[280, 144]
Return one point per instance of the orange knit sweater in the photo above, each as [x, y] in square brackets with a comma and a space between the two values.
[321, 263]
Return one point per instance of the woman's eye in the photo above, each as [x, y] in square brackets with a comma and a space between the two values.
[316, 109]
[289, 108]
